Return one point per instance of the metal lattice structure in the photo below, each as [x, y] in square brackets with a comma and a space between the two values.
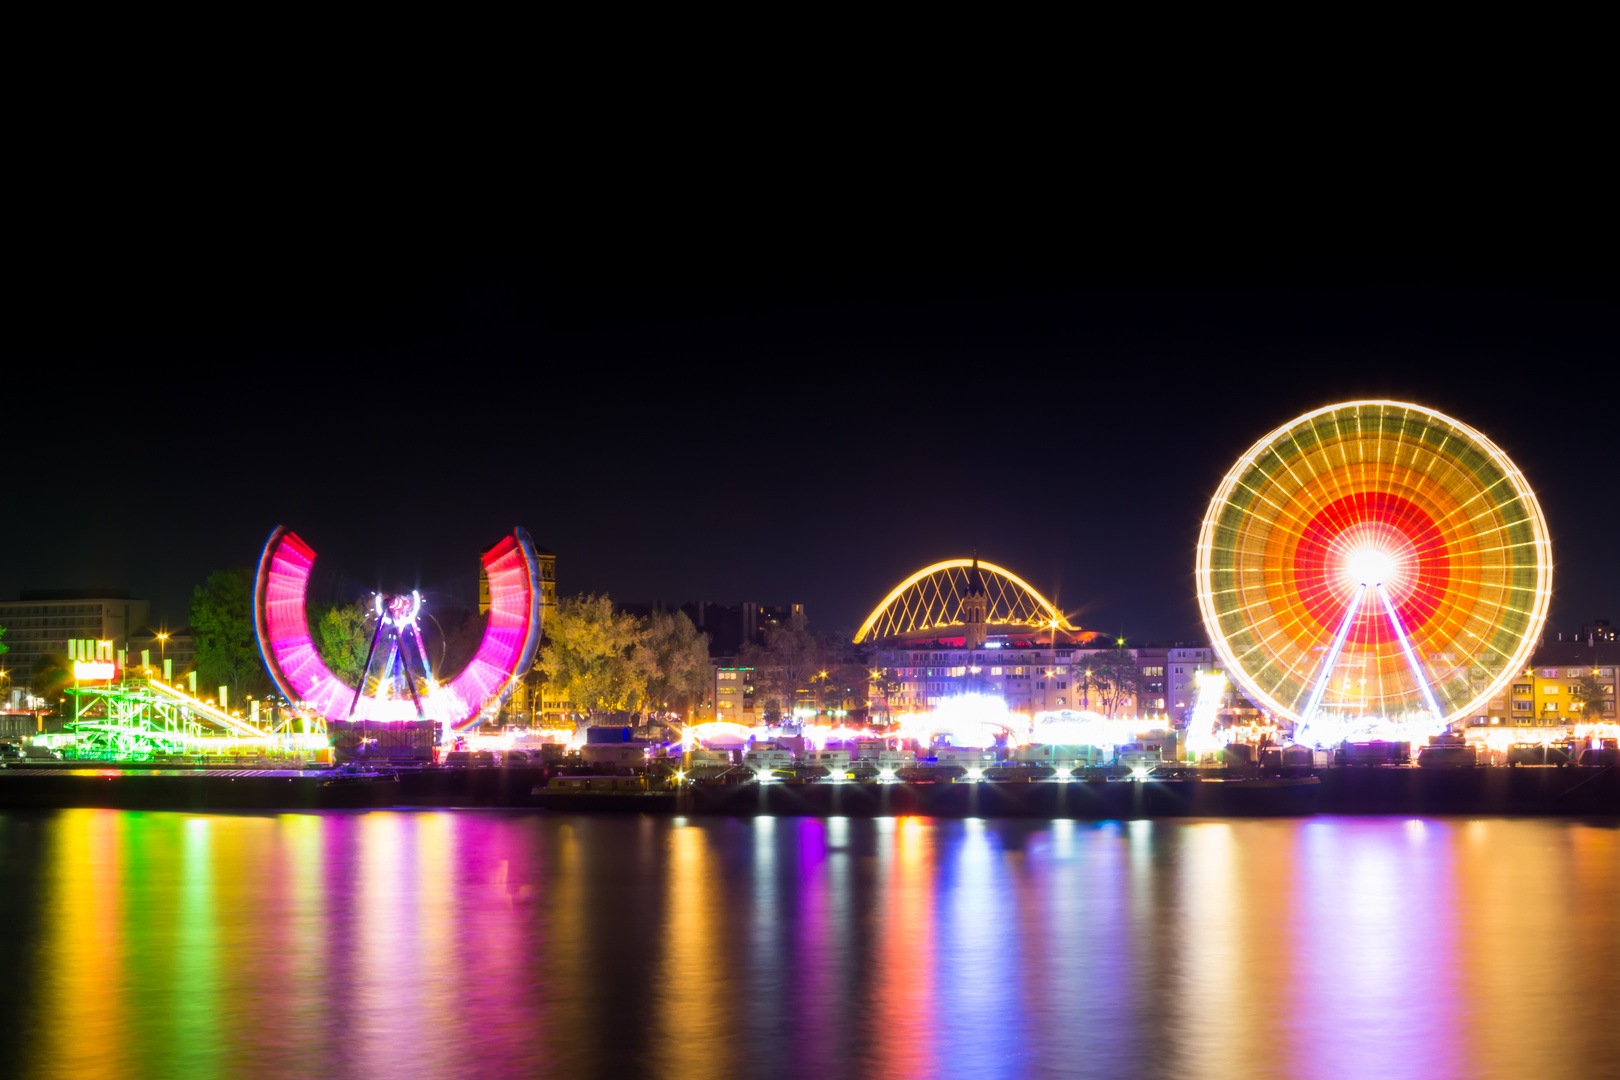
[930, 601]
[133, 720]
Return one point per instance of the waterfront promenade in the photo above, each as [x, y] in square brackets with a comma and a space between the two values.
[1388, 790]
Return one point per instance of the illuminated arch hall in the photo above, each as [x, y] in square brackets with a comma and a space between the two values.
[965, 602]
[1373, 560]
[968, 626]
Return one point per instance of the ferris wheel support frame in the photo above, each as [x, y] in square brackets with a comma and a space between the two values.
[1331, 660]
[1411, 655]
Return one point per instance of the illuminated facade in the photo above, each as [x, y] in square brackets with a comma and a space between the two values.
[1546, 691]
[965, 626]
[42, 622]
[733, 695]
[1031, 678]
[1373, 559]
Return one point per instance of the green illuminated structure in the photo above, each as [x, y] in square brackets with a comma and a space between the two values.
[134, 720]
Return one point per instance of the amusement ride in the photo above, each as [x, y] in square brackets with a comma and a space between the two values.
[133, 713]
[1373, 569]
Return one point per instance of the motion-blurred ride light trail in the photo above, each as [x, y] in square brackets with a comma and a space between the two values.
[508, 646]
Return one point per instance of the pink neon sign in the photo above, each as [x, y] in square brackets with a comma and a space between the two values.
[510, 637]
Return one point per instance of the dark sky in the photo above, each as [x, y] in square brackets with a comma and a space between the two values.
[726, 412]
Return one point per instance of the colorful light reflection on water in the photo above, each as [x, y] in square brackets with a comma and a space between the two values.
[458, 943]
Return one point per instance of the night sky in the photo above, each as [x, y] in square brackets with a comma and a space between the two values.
[801, 414]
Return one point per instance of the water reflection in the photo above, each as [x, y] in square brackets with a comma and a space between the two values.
[458, 944]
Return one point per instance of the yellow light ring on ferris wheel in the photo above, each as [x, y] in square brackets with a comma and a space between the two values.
[950, 564]
[1374, 489]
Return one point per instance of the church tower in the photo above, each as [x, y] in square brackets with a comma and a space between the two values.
[975, 608]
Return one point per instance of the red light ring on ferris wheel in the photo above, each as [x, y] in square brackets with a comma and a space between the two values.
[510, 639]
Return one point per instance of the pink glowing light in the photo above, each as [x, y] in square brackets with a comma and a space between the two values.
[510, 637]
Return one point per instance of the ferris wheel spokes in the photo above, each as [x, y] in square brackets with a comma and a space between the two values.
[1411, 656]
[1331, 660]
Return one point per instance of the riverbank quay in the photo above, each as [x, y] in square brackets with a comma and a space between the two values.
[1494, 792]
[83, 784]
[1573, 791]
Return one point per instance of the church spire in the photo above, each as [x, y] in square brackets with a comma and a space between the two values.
[975, 607]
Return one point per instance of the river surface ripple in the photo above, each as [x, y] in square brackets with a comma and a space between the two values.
[466, 943]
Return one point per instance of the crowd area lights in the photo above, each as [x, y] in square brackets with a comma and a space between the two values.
[1202, 736]
[967, 720]
[1087, 728]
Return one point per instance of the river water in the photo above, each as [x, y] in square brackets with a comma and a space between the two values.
[468, 943]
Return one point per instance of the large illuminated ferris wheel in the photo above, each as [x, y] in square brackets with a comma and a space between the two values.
[1373, 559]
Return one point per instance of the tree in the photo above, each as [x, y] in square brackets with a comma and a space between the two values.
[460, 645]
[53, 674]
[842, 686]
[343, 638]
[1112, 676]
[588, 656]
[222, 626]
[784, 665]
[798, 668]
[674, 661]
[883, 685]
[1590, 695]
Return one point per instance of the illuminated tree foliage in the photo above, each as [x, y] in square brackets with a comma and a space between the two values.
[673, 657]
[53, 674]
[222, 626]
[783, 666]
[1589, 694]
[1107, 679]
[589, 656]
[796, 668]
[343, 637]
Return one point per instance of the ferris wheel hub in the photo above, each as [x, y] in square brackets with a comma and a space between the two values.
[1371, 566]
